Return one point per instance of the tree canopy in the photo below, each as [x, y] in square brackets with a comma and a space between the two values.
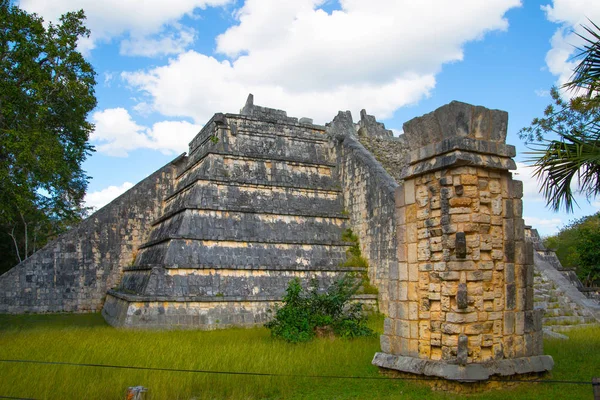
[46, 93]
[576, 246]
[575, 156]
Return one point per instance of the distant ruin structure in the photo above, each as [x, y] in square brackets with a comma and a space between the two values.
[212, 239]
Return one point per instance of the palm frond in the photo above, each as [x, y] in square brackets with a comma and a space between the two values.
[586, 75]
[560, 163]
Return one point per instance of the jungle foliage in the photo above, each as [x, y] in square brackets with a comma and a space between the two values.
[46, 94]
[577, 246]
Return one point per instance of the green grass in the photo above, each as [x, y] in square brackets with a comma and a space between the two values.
[87, 339]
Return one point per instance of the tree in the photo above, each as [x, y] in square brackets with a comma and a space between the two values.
[46, 93]
[576, 246]
[575, 156]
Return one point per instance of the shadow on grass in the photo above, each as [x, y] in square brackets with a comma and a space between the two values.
[10, 322]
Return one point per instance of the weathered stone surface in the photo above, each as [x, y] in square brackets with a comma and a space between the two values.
[368, 126]
[457, 119]
[466, 373]
[369, 198]
[74, 272]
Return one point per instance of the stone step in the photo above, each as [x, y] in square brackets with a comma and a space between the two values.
[183, 251]
[223, 195]
[251, 170]
[564, 320]
[276, 267]
[231, 282]
[565, 328]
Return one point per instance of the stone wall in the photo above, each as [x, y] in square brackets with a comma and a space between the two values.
[369, 201]
[74, 272]
[389, 151]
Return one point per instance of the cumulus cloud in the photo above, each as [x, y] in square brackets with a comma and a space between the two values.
[100, 198]
[295, 56]
[109, 19]
[116, 133]
[570, 15]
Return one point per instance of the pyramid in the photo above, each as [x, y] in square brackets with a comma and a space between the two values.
[256, 203]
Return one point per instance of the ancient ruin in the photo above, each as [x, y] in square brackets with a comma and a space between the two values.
[212, 239]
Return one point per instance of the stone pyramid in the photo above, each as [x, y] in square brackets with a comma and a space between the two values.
[256, 203]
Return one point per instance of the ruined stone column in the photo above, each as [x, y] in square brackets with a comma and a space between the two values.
[461, 301]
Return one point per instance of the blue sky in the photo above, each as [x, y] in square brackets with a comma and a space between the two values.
[165, 67]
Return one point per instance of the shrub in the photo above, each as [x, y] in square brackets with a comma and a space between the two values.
[305, 312]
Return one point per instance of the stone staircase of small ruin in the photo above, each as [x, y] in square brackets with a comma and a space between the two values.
[564, 306]
[257, 204]
[560, 312]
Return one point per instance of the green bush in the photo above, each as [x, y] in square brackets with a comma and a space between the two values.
[306, 312]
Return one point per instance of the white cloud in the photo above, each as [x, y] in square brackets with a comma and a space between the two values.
[531, 185]
[570, 14]
[292, 55]
[545, 226]
[542, 93]
[109, 19]
[100, 198]
[108, 77]
[116, 134]
[168, 43]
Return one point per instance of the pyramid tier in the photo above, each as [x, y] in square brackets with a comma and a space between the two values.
[241, 124]
[222, 195]
[260, 171]
[248, 226]
[247, 124]
[124, 310]
[274, 147]
[188, 252]
[201, 283]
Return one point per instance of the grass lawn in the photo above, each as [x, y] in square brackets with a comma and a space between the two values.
[88, 339]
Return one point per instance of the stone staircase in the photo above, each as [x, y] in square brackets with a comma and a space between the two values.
[256, 204]
[556, 290]
[560, 312]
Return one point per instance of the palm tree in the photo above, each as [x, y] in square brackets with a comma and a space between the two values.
[575, 156]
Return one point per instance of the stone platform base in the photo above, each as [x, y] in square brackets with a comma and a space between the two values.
[205, 313]
[128, 311]
[467, 388]
[468, 373]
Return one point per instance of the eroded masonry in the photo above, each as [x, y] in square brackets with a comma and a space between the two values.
[212, 239]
